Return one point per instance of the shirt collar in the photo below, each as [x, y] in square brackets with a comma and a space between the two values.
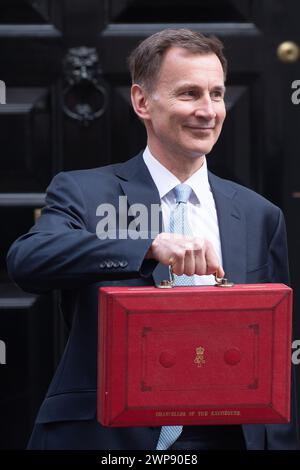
[166, 181]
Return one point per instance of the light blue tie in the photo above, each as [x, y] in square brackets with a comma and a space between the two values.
[178, 224]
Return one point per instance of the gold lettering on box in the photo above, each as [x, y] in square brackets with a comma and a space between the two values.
[202, 413]
[198, 413]
[225, 413]
[170, 413]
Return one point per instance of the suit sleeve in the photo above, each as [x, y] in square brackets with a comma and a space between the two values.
[278, 253]
[60, 252]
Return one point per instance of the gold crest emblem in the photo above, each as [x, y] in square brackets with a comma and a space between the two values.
[199, 359]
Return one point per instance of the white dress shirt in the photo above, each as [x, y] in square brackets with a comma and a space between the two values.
[202, 212]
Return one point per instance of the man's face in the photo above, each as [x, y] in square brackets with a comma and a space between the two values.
[186, 109]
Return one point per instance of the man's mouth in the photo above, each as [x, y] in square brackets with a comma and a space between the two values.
[201, 128]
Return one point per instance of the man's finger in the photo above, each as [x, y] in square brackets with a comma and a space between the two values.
[200, 262]
[212, 261]
[220, 272]
[189, 262]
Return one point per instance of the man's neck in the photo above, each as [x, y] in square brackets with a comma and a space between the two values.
[181, 167]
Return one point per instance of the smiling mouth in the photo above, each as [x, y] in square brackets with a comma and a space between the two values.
[198, 128]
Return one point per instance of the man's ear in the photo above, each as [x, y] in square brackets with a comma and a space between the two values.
[140, 101]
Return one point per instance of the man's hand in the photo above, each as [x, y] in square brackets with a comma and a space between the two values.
[186, 255]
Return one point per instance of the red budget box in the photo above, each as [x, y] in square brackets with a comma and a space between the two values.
[194, 355]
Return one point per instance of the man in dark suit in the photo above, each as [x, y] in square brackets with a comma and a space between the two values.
[178, 92]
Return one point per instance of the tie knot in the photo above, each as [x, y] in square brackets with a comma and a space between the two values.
[182, 193]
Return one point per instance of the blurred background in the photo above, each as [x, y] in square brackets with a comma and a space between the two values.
[68, 107]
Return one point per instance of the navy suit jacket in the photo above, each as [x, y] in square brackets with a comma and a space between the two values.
[63, 252]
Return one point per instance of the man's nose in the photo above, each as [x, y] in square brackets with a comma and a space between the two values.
[205, 108]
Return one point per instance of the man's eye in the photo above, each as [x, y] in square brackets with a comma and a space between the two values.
[218, 95]
[188, 93]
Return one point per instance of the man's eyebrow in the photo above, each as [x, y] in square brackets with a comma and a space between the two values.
[187, 85]
[194, 85]
[219, 88]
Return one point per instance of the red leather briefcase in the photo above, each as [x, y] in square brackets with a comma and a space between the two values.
[194, 355]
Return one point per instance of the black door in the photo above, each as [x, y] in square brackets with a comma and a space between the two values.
[68, 107]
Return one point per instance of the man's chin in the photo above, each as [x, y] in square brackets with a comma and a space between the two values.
[198, 153]
[197, 150]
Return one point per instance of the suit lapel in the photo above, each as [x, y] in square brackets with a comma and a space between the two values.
[232, 228]
[139, 187]
[137, 183]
